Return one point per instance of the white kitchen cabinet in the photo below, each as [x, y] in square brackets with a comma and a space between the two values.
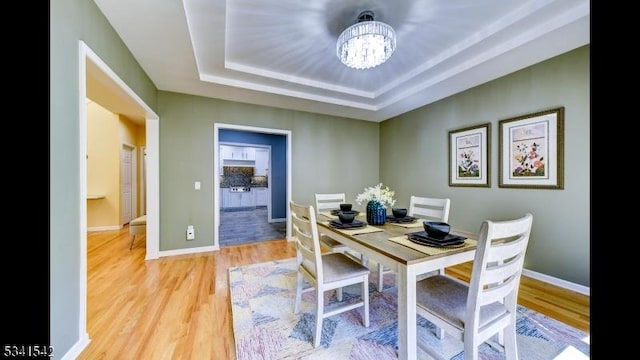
[235, 199]
[225, 152]
[239, 199]
[262, 161]
[248, 153]
[248, 199]
[224, 197]
[238, 152]
[262, 195]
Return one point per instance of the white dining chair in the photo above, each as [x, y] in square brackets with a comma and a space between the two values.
[486, 307]
[423, 208]
[325, 203]
[323, 272]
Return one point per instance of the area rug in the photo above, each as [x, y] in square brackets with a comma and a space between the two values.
[265, 327]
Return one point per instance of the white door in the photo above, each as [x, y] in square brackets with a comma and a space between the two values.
[126, 184]
[143, 182]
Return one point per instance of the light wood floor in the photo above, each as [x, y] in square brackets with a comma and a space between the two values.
[178, 307]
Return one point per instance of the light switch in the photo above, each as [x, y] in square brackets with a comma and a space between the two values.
[197, 185]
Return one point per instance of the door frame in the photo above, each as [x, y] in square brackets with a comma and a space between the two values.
[216, 173]
[142, 179]
[133, 179]
[152, 129]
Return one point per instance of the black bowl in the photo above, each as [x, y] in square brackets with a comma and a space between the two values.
[436, 228]
[345, 207]
[399, 213]
[346, 217]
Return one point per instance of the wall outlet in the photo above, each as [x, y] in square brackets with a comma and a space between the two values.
[191, 233]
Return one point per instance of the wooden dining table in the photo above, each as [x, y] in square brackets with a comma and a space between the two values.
[406, 259]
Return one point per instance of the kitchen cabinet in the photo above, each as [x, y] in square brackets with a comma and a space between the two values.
[247, 199]
[224, 197]
[238, 152]
[239, 199]
[225, 152]
[262, 195]
[234, 199]
[262, 162]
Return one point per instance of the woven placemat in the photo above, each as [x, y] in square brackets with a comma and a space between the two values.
[359, 231]
[430, 250]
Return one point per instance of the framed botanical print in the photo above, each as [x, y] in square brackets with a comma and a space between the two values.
[469, 156]
[532, 150]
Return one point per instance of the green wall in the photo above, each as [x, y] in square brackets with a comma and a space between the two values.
[71, 21]
[560, 238]
[329, 154]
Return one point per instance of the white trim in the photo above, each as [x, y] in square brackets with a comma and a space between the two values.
[83, 154]
[153, 227]
[216, 173]
[142, 201]
[187, 251]
[278, 220]
[152, 127]
[269, 188]
[289, 185]
[286, 92]
[77, 348]
[584, 290]
[104, 228]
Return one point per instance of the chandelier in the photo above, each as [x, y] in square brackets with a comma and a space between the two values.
[367, 43]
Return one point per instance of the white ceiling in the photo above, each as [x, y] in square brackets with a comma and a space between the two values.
[282, 53]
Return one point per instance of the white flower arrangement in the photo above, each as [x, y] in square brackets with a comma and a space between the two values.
[378, 193]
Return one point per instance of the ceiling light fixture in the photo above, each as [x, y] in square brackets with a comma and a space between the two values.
[367, 43]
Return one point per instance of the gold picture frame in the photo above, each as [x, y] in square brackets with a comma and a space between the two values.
[470, 156]
[532, 150]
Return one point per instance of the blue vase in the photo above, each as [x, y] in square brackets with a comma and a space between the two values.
[376, 213]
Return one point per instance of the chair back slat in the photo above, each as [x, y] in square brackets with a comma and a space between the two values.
[499, 272]
[498, 292]
[326, 202]
[429, 208]
[507, 249]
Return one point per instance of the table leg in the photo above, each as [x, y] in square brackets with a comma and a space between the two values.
[407, 317]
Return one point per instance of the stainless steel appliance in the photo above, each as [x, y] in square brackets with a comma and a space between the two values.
[239, 189]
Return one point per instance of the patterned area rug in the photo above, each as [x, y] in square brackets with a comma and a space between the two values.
[265, 327]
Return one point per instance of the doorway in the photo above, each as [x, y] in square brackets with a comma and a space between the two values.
[98, 81]
[279, 179]
[247, 187]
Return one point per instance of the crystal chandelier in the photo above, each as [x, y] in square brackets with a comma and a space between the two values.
[367, 43]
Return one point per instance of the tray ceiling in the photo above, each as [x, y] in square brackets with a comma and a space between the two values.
[282, 53]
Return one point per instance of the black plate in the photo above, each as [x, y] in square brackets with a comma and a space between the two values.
[335, 212]
[404, 220]
[457, 243]
[446, 240]
[354, 225]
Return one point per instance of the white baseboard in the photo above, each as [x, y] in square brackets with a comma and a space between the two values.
[77, 348]
[584, 290]
[104, 228]
[195, 250]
